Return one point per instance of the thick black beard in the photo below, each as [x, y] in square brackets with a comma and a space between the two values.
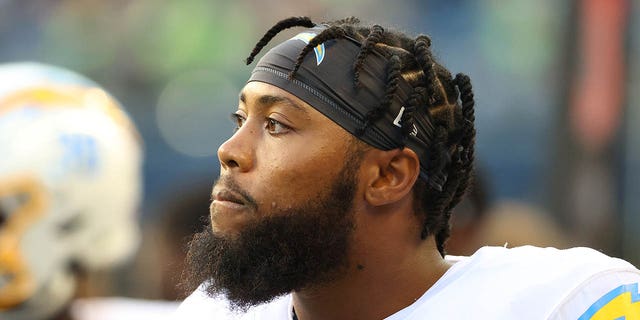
[286, 251]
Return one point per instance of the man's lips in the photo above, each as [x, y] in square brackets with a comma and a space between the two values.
[228, 194]
[225, 195]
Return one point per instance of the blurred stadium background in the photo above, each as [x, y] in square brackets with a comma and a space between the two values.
[556, 82]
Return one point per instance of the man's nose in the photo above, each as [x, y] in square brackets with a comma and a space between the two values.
[238, 151]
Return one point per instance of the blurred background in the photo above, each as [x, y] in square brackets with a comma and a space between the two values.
[557, 97]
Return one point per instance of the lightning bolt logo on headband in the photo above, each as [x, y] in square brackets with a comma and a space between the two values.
[319, 49]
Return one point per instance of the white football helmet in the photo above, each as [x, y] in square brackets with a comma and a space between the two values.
[70, 186]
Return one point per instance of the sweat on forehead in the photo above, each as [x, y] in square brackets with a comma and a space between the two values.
[325, 80]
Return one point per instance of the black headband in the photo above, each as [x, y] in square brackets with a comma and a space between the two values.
[325, 81]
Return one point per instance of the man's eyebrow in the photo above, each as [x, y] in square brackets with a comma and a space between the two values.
[268, 100]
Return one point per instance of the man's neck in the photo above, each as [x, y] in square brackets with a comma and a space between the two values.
[375, 287]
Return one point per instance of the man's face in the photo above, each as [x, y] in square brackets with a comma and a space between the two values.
[284, 153]
[281, 215]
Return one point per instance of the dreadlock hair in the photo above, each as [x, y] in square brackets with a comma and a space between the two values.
[282, 25]
[447, 101]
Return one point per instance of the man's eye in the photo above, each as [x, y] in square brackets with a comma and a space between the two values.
[238, 120]
[275, 127]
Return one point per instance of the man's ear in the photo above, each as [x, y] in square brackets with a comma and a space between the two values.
[391, 175]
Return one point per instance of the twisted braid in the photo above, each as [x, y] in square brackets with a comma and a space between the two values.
[348, 20]
[422, 52]
[281, 25]
[393, 79]
[374, 37]
[466, 147]
[333, 32]
[443, 226]
[415, 101]
[440, 188]
[435, 201]
[439, 158]
[462, 159]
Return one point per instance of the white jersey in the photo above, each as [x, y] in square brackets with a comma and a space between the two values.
[494, 283]
[121, 308]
